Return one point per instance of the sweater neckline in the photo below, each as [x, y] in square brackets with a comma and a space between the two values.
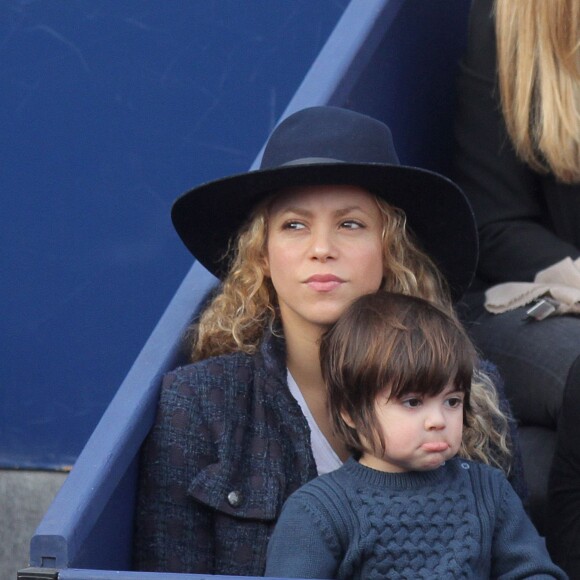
[404, 480]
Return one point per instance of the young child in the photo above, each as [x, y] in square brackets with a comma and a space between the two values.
[406, 505]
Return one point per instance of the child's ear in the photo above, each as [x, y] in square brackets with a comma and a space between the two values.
[347, 419]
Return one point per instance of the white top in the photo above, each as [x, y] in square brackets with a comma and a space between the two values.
[324, 455]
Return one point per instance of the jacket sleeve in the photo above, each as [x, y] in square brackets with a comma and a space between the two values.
[518, 551]
[301, 545]
[173, 532]
[505, 194]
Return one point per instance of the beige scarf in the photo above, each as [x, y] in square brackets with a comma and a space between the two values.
[560, 283]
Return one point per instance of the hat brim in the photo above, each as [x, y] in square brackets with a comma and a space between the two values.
[437, 211]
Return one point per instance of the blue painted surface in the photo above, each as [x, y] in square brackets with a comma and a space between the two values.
[109, 110]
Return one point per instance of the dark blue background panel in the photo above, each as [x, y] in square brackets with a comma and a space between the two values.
[109, 110]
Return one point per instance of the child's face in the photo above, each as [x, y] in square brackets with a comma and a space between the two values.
[420, 432]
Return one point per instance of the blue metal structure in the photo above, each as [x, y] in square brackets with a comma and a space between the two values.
[394, 59]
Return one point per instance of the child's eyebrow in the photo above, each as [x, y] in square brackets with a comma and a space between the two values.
[452, 390]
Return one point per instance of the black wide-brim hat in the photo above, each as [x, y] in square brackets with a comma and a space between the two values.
[334, 146]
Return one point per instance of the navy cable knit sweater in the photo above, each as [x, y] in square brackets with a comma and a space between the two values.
[462, 520]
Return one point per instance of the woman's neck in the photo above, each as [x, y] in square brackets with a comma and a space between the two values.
[303, 361]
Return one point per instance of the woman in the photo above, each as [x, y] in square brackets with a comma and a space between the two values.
[518, 161]
[247, 423]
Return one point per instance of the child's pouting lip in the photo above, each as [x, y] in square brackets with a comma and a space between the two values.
[435, 446]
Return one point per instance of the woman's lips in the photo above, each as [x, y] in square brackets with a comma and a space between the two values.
[324, 282]
[436, 446]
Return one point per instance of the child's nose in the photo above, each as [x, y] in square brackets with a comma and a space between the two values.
[435, 419]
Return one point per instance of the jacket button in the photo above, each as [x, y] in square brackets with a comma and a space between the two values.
[234, 498]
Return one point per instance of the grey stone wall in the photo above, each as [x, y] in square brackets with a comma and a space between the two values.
[24, 498]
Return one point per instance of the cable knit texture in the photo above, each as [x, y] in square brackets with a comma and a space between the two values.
[462, 520]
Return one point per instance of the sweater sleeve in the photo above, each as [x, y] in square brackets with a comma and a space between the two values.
[506, 196]
[301, 545]
[518, 551]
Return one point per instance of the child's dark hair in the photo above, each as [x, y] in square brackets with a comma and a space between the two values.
[387, 341]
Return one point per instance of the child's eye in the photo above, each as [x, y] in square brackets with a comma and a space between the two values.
[454, 402]
[413, 402]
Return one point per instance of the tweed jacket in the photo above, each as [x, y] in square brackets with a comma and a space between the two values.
[526, 221]
[229, 445]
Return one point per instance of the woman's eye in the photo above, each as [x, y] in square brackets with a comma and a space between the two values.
[293, 225]
[351, 224]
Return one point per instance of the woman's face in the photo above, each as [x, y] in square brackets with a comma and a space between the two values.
[324, 250]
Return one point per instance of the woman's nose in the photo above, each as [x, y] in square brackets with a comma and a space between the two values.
[322, 246]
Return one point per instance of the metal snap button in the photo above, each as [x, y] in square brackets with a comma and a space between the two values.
[234, 498]
[465, 465]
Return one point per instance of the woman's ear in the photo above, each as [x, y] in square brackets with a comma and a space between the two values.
[265, 260]
[266, 266]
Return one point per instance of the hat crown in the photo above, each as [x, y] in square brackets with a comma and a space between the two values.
[319, 134]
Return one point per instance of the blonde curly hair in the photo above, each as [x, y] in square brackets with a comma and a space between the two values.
[245, 305]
